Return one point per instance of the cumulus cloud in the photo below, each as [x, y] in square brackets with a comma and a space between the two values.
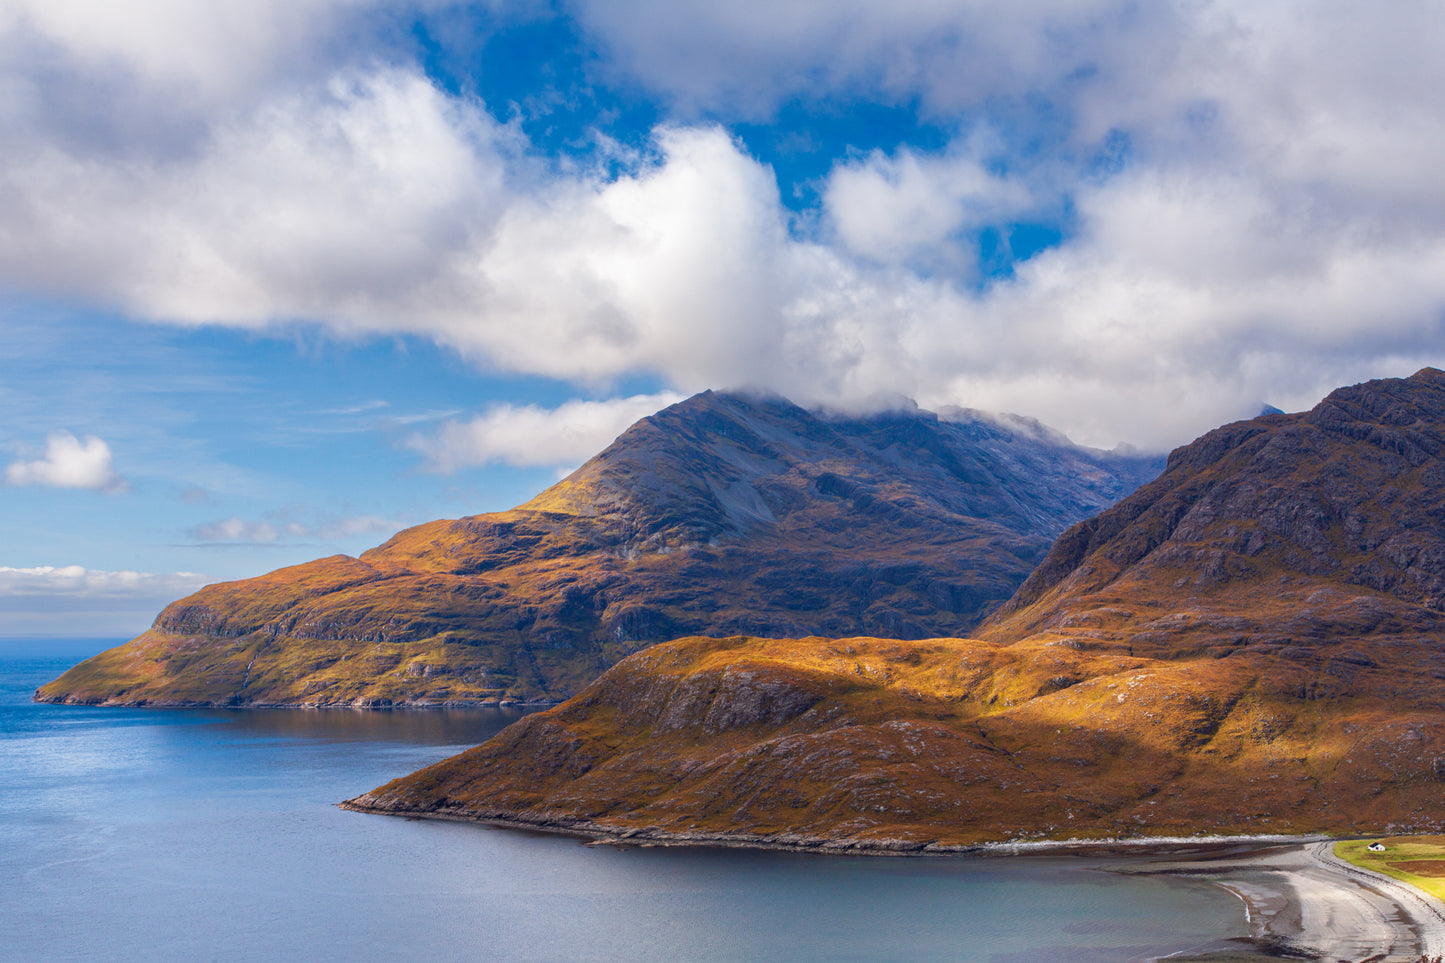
[188, 49]
[1249, 192]
[527, 435]
[346, 527]
[69, 463]
[751, 55]
[910, 208]
[284, 526]
[70, 600]
[343, 203]
[74, 580]
[683, 266]
[235, 529]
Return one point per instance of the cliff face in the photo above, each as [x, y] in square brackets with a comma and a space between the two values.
[1250, 643]
[720, 515]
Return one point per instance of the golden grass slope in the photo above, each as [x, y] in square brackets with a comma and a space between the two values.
[1250, 644]
[948, 742]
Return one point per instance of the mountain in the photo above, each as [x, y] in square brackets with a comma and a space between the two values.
[721, 515]
[1252, 643]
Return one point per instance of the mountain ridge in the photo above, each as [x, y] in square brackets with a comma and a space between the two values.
[720, 515]
[1250, 643]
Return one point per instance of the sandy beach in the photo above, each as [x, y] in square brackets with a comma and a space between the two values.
[1303, 903]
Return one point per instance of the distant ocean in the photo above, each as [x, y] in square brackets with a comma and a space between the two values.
[131, 834]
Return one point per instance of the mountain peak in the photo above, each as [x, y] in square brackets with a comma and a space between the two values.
[726, 513]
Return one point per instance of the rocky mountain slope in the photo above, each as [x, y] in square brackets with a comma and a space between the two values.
[721, 515]
[1252, 643]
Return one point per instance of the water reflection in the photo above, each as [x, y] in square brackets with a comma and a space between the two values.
[427, 727]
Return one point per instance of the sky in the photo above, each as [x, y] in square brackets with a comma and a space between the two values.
[279, 278]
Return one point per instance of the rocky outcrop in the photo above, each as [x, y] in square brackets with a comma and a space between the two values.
[1251, 643]
[724, 514]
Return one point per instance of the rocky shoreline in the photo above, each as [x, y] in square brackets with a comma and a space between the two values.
[804, 843]
[372, 704]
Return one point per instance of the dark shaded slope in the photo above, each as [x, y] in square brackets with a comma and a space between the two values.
[720, 515]
[1255, 519]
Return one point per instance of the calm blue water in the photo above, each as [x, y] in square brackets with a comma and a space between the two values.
[181, 835]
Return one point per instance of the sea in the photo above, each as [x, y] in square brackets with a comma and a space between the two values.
[171, 834]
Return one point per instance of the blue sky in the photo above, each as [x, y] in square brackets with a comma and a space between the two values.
[279, 278]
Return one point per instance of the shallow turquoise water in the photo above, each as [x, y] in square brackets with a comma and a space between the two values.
[179, 835]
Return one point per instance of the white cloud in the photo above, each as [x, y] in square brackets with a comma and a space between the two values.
[355, 525]
[190, 50]
[683, 267]
[753, 55]
[279, 526]
[912, 207]
[69, 463]
[235, 529]
[364, 407]
[347, 203]
[73, 580]
[1271, 224]
[70, 600]
[527, 435]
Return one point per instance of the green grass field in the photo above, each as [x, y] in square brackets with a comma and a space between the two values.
[1417, 860]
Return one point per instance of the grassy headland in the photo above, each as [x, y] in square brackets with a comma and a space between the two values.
[1417, 860]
